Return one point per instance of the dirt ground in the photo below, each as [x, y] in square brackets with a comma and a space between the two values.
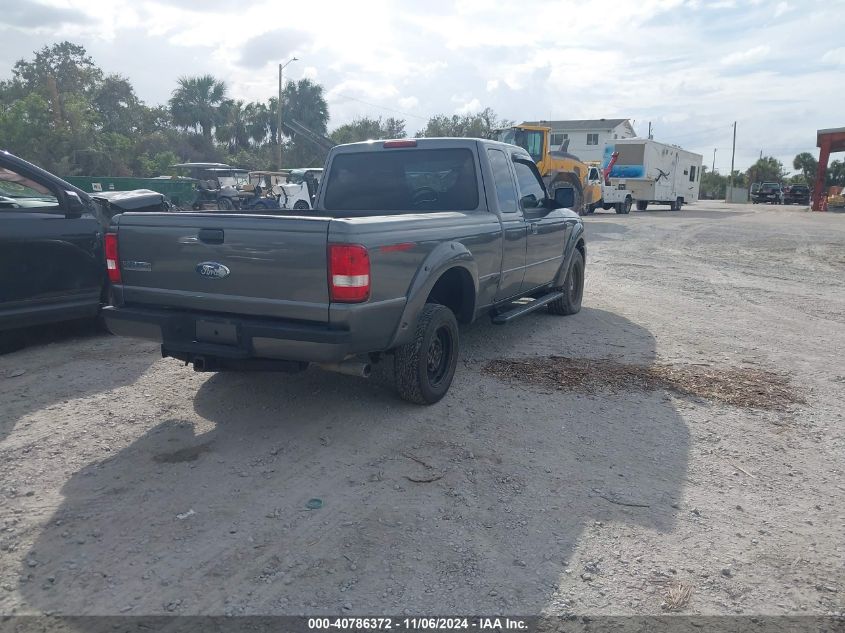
[130, 484]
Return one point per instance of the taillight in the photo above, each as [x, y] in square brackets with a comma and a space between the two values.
[349, 273]
[112, 260]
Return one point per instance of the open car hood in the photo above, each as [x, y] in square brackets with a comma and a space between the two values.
[136, 200]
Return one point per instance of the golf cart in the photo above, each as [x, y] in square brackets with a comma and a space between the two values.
[217, 184]
[300, 190]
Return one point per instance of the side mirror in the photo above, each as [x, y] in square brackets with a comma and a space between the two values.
[565, 197]
[73, 204]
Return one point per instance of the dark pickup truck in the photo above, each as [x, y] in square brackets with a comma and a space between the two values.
[769, 192]
[407, 239]
[796, 194]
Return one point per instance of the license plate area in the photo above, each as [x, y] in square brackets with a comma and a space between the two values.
[219, 332]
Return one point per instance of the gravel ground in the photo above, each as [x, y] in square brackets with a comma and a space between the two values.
[130, 484]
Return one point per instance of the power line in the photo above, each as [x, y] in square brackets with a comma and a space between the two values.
[375, 105]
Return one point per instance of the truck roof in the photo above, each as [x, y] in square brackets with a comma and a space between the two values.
[439, 142]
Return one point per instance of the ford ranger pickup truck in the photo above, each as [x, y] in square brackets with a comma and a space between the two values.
[407, 238]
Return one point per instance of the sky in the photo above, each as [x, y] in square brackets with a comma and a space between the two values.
[690, 67]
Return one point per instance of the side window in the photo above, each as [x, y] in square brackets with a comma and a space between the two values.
[594, 174]
[692, 174]
[505, 189]
[19, 193]
[530, 188]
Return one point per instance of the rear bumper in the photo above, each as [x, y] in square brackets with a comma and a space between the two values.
[187, 335]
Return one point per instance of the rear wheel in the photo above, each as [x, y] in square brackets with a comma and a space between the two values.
[301, 205]
[642, 205]
[676, 205]
[425, 367]
[225, 204]
[573, 288]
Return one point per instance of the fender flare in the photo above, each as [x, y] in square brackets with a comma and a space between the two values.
[444, 257]
[569, 248]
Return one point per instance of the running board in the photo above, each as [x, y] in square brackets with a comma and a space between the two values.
[525, 308]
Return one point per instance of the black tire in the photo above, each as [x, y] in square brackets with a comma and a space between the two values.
[642, 205]
[573, 288]
[425, 367]
[676, 205]
[301, 205]
[225, 204]
[578, 201]
[623, 208]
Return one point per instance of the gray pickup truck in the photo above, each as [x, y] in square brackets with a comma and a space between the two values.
[407, 239]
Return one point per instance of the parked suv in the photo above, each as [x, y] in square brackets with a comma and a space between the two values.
[796, 194]
[770, 192]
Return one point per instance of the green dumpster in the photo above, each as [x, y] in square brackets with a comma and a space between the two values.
[180, 191]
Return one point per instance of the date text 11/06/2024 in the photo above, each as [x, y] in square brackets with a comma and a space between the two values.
[418, 624]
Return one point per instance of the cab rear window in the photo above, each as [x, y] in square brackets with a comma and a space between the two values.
[409, 181]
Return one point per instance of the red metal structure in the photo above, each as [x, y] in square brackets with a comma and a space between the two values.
[613, 158]
[832, 140]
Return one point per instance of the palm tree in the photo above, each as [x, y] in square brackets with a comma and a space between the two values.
[232, 126]
[257, 118]
[304, 102]
[196, 103]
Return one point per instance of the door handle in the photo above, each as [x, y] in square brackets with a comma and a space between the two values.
[533, 228]
[211, 236]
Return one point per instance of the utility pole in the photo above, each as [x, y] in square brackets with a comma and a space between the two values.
[713, 171]
[733, 155]
[649, 130]
[279, 109]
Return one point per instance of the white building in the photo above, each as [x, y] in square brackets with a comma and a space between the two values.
[588, 137]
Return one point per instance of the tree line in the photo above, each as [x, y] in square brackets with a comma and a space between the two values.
[62, 112]
[770, 169]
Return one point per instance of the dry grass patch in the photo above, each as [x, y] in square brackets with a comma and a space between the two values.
[677, 596]
[741, 387]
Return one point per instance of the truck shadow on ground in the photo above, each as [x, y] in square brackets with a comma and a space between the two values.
[476, 504]
[65, 362]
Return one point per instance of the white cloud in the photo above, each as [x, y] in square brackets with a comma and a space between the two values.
[362, 88]
[492, 84]
[408, 103]
[470, 107]
[781, 8]
[835, 56]
[749, 56]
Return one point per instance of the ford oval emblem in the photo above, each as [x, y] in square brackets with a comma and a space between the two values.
[212, 270]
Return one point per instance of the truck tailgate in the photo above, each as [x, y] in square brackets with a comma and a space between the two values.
[268, 266]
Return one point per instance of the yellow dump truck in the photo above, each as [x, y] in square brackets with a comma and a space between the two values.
[557, 167]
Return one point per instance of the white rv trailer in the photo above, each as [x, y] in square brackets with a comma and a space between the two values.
[656, 173]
